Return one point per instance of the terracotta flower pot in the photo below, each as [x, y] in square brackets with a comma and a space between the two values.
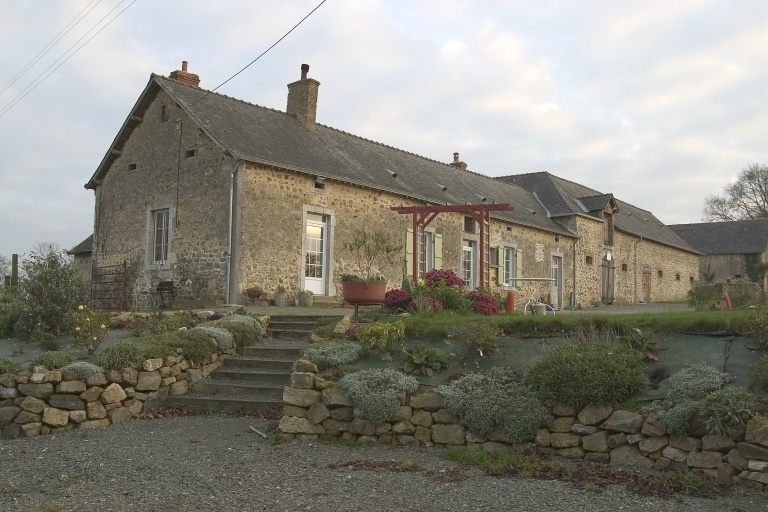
[363, 291]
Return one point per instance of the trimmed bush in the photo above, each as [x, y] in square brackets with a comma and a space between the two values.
[496, 399]
[758, 373]
[168, 323]
[377, 392]
[333, 355]
[123, 354]
[159, 346]
[580, 374]
[243, 334]
[195, 346]
[51, 360]
[82, 368]
[224, 338]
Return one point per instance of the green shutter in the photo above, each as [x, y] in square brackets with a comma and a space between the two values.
[519, 263]
[409, 253]
[438, 251]
[500, 268]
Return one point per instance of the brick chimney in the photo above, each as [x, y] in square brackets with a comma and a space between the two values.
[302, 99]
[458, 163]
[185, 78]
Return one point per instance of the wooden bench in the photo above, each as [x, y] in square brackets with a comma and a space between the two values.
[164, 291]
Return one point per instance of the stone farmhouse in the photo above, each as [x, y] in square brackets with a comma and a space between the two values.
[219, 196]
[731, 252]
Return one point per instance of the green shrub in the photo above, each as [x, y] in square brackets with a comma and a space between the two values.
[243, 334]
[480, 337]
[50, 289]
[727, 410]
[196, 346]
[452, 298]
[423, 360]
[377, 392]
[9, 314]
[333, 355]
[687, 389]
[496, 399]
[159, 346]
[82, 368]
[387, 337]
[758, 373]
[123, 354]
[224, 338]
[757, 328]
[51, 360]
[579, 374]
[8, 366]
[702, 296]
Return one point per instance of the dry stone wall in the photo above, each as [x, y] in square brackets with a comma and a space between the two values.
[314, 406]
[48, 402]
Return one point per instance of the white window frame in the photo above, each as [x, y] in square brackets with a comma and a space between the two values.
[510, 266]
[167, 215]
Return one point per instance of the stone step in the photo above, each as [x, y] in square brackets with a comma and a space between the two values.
[292, 351]
[259, 363]
[220, 386]
[254, 375]
[223, 403]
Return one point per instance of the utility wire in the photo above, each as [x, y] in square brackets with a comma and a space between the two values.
[31, 87]
[66, 30]
[260, 56]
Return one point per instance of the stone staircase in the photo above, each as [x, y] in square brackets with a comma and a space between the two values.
[254, 378]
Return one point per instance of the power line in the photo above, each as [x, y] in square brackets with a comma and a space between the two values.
[63, 32]
[37, 81]
[262, 54]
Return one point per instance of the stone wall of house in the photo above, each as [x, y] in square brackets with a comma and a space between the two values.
[167, 163]
[630, 257]
[538, 247]
[723, 268]
[314, 406]
[48, 402]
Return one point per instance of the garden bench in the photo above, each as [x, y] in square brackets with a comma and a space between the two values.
[164, 291]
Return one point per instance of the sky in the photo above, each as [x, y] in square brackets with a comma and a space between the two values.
[661, 103]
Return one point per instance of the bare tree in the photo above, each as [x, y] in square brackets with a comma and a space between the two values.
[745, 198]
[5, 268]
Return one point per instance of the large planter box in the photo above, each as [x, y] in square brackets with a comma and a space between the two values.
[363, 291]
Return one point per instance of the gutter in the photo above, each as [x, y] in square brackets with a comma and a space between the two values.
[230, 239]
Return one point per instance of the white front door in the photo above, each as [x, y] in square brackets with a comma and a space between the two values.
[557, 285]
[315, 253]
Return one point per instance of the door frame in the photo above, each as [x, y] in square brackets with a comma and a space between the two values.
[329, 289]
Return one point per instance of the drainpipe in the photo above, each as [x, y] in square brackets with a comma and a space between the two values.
[230, 241]
[574, 300]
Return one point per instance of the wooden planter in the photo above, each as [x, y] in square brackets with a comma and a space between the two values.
[363, 291]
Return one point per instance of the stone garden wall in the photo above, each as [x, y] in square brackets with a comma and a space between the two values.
[48, 402]
[314, 406]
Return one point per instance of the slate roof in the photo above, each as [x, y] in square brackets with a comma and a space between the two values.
[267, 136]
[564, 198]
[83, 247]
[736, 237]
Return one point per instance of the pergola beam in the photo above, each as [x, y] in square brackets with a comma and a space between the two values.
[423, 215]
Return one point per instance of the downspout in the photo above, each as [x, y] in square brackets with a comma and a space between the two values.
[635, 265]
[230, 238]
[574, 300]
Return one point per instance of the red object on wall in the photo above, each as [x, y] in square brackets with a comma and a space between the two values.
[727, 301]
[510, 301]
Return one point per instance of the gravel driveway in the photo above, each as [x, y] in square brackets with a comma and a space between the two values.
[214, 463]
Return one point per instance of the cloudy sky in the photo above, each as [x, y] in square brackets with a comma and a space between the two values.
[659, 102]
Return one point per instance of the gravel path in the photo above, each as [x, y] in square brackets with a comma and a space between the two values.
[214, 463]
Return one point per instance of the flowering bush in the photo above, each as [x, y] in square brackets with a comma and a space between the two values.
[397, 299]
[90, 327]
[351, 333]
[484, 303]
[445, 276]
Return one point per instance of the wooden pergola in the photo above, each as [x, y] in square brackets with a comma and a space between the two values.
[424, 214]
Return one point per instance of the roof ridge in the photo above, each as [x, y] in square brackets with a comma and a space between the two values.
[339, 130]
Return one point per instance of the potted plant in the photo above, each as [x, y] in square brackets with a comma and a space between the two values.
[279, 296]
[306, 298]
[369, 251]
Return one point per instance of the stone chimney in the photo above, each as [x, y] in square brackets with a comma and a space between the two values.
[458, 163]
[185, 78]
[302, 99]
